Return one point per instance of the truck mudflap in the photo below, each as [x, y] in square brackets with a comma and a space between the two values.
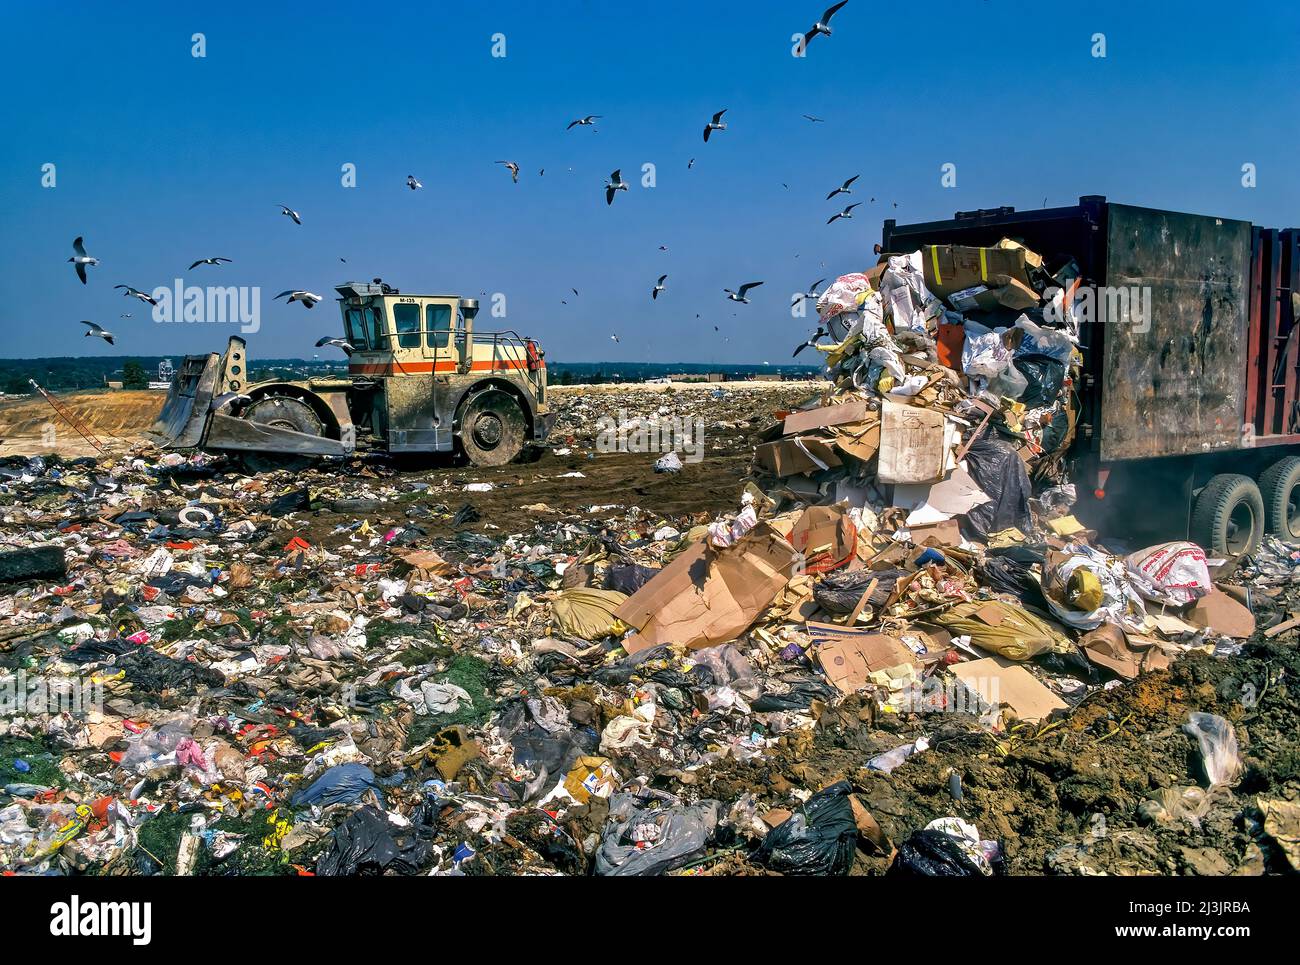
[184, 415]
[230, 433]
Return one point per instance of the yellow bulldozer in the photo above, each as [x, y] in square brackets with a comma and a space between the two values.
[420, 380]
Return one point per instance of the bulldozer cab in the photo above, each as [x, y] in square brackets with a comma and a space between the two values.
[431, 360]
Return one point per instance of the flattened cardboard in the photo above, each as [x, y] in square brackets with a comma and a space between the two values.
[1012, 685]
[1110, 647]
[708, 595]
[911, 444]
[827, 415]
[859, 443]
[848, 657]
[1222, 614]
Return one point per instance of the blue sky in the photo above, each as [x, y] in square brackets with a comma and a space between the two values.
[163, 158]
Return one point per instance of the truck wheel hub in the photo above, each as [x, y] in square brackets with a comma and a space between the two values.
[488, 430]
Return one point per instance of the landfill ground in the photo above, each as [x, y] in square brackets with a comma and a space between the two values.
[263, 692]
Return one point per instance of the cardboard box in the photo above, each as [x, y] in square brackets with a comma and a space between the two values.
[826, 536]
[1002, 291]
[799, 454]
[950, 268]
[709, 595]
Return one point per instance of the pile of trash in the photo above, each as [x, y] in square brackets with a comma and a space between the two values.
[353, 671]
[952, 375]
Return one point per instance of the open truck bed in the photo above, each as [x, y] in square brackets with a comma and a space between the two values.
[1204, 383]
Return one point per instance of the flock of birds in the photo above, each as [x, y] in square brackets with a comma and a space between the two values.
[614, 184]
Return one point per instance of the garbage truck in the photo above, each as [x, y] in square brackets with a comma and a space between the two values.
[1188, 410]
[420, 379]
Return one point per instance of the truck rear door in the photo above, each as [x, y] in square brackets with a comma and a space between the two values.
[1174, 310]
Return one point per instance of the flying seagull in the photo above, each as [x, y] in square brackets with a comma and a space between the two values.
[338, 343]
[716, 124]
[846, 213]
[690, 164]
[844, 188]
[659, 286]
[822, 26]
[812, 342]
[810, 293]
[616, 338]
[98, 332]
[514, 169]
[588, 121]
[290, 213]
[210, 261]
[134, 293]
[815, 120]
[307, 298]
[81, 260]
[740, 296]
[413, 182]
[615, 183]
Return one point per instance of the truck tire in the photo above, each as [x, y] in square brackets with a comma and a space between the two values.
[491, 431]
[1228, 518]
[281, 412]
[1280, 486]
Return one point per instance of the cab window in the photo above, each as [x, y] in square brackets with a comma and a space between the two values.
[353, 330]
[375, 329]
[406, 321]
[438, 324]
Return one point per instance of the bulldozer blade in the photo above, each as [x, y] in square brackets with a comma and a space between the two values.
[184, 415]
[229, 433]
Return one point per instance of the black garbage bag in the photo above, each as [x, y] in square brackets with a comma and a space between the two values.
[368, 844]
[1009, 575]
[291, 502]
[793, 693]
[1045, 376]
[1000, 472]
[840, 590]
[151, 672]
[933, 854]
[818, 839]
[628, 578]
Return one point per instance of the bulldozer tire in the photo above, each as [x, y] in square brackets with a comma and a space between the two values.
[491, 429]
[1280, 486]
[281, 412]
[1228, 518]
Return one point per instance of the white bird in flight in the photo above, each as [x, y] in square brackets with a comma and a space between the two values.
[98, 332]
[81, 259]
[716, 124]
[742, 295]
[307, 298]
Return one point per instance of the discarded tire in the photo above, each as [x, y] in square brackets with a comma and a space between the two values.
[1228, 518]
[1279, 485]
